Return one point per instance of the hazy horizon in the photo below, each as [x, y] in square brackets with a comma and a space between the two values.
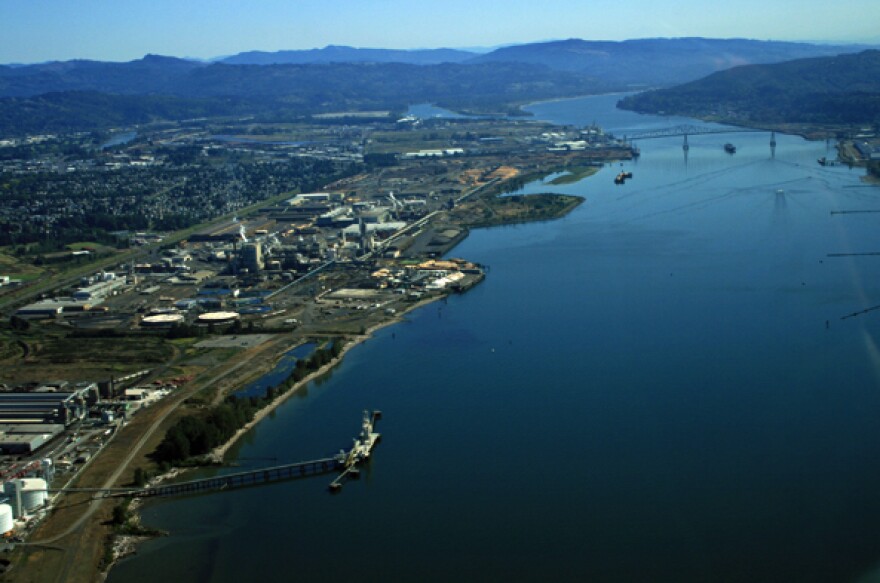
[473, 49]
[57, 30]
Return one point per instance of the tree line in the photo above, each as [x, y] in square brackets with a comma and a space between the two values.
[197, 434]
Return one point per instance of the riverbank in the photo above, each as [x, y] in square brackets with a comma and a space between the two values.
[609, 338]
[124, 545]
[218, 453]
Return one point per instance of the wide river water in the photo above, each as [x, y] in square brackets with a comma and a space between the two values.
[661, 386]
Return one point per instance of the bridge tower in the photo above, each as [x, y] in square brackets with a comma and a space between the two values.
[773, 144]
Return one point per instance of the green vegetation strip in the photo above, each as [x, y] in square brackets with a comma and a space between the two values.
[198, 434]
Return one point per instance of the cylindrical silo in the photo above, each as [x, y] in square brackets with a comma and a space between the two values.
[48, 469]
[33, 493]
[6, 521]
[13, 491]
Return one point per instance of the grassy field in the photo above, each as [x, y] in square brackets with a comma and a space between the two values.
[506, 210]
[575, 174]
[43, 353]
[17, 269]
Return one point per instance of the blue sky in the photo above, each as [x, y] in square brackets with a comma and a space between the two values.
[120, 30]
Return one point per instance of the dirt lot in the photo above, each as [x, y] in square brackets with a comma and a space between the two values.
[36, 356]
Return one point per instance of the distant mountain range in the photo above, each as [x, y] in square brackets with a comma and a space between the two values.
[660, 61]
[343, 79]
[841, 89]
[342, 54]
[278, 92]
[152, 74]
[646, 62]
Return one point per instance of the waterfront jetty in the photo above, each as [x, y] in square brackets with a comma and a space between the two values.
[360, 451]
[345, 463]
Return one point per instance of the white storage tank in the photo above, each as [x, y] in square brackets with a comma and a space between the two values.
[217, 317]
[34, 493]
[7, 523]
[26, 495]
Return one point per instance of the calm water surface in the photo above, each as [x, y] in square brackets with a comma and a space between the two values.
[658, 387]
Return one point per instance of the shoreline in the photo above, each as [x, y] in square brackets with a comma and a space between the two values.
[130, 545]
[217, 454]
[127, 545]
[559, 99]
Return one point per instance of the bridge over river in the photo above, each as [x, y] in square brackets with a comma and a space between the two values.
[688, 130]
[691, 130]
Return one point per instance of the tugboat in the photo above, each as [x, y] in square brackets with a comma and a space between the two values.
[621, 178]
[730, 148]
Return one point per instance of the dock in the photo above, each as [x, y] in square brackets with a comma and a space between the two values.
[360, 452]
[243, 479]
[344, 464]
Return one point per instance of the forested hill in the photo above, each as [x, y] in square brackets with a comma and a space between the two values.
[313, 83]
[658, 61]
[615, 64]
[151, 74]
[76, 95]
[840, 89]
[342, 54]
[282, 91]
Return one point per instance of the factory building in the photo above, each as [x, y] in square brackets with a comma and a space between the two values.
[25, 439]
[99, 291]
[51, 309]
[252, 257]
[354, 231]
[43, 407]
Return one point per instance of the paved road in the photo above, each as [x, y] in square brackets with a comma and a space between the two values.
[114, 477]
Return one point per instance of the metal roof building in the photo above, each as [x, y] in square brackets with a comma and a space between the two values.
[18, 439]
[36, 407]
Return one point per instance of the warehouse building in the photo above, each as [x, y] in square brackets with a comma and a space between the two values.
[34, 407]
[24, 439]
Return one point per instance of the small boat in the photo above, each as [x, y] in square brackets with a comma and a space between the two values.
[621, 178]
[730, 148]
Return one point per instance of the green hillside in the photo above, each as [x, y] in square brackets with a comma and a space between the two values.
[827, 90]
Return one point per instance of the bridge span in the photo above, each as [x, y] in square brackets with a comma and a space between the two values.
[686, 130]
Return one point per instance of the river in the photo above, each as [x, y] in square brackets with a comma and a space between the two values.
[660, 386]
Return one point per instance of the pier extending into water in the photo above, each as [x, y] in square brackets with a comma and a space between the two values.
[344, 464]
[244, 479]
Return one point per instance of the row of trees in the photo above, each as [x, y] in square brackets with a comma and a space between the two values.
[198, 434]
[195, 435]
